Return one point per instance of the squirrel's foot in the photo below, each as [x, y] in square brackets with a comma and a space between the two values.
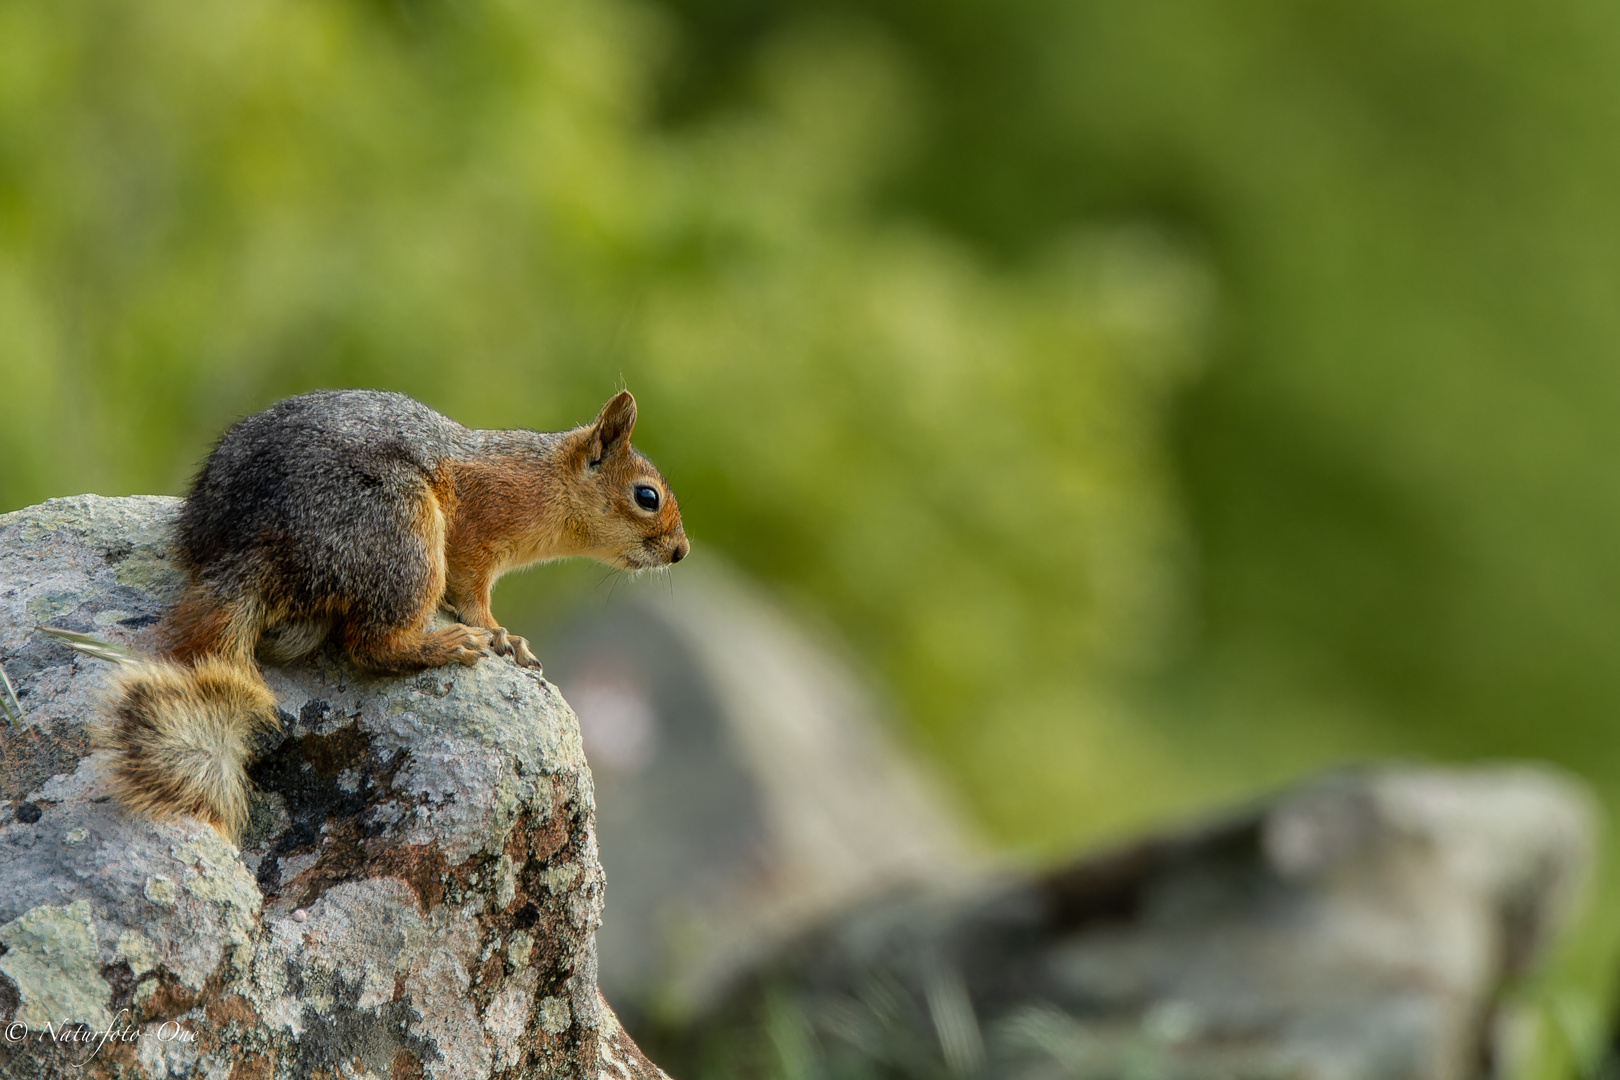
[511, 645]
[465, 644]
[522, 656]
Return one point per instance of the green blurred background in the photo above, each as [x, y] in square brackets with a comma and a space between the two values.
[1163, 399]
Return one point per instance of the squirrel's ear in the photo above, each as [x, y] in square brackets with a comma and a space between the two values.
[611, 432]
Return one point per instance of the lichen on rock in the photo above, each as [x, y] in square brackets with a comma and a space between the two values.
[416, 895]
[51, 956]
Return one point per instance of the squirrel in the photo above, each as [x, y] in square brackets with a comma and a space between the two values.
[359, 514]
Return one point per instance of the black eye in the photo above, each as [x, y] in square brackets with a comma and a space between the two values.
[646, 497]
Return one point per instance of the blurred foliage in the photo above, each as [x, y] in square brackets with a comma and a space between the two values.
[961, 467]
[1398, 466]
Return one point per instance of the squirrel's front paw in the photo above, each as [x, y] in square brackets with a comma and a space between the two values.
[511, 645]
[521, 654]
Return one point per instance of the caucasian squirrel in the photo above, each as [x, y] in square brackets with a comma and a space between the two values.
[359, 514]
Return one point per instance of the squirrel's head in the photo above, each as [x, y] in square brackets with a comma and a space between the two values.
[630, 516]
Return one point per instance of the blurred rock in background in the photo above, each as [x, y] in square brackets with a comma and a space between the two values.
[1363, 926]
[746, 787]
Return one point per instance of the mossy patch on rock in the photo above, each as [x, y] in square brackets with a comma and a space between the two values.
[51, 956]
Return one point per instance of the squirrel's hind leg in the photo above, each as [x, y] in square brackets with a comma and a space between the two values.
[203, 624]
[293, 639]
[405, 651]
[389, 597]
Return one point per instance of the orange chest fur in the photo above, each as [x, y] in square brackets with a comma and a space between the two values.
[500, 514]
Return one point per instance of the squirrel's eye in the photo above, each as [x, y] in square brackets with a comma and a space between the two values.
[646, 497]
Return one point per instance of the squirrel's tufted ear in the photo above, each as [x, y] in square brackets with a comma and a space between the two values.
[611, 432]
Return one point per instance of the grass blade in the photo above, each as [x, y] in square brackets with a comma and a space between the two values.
[92, 646]
[9, 704]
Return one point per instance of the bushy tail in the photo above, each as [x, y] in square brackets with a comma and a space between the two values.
[182, 737]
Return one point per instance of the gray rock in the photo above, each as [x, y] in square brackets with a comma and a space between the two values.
[417, 894]
[1360, 927]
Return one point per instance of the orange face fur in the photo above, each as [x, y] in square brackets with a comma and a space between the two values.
[627, 515]
[594, 495]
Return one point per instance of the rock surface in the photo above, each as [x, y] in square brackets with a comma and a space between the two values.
[416, 897]
[1360, 927]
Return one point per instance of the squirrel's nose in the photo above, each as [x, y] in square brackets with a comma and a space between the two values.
[680, 550]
